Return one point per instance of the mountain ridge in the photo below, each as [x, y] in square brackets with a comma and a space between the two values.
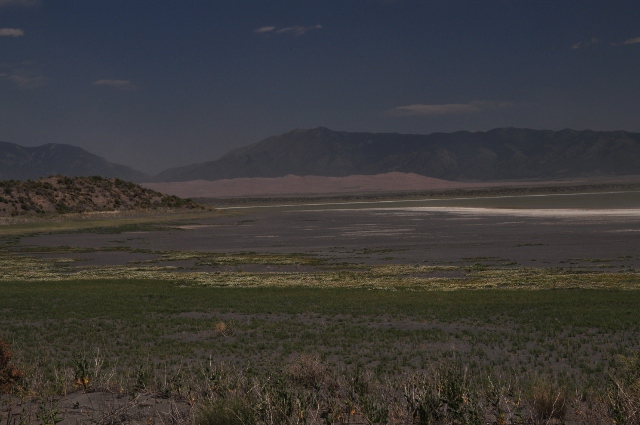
[463, 156]
[498, 154]
[25, 163]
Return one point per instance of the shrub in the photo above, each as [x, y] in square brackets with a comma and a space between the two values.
[221, 328]
[63, 208]
[64, 180]
[307, 370]
[172, 202]
[549, 403]
[226, 411]
[445, 397]
[10, 375]
[624, 391]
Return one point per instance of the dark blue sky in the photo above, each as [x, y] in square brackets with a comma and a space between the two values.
[154, 84]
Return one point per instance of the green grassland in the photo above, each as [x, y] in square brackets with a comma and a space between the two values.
[133, 320]
[129, 334]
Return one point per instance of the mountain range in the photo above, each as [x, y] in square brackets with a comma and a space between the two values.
[23, 163]
[499, 154]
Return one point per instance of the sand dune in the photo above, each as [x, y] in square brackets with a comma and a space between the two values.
[304, 185]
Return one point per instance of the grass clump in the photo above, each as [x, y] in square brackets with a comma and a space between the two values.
[226, 411]
[549, 403]
[447, 396]
[307, 370]
[624, 391]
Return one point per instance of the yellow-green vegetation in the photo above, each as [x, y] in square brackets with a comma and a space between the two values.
[213, 259]
[101, 221]
[21, 264]
[60, 194]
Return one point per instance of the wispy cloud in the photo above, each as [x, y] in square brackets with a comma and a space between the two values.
[124, 85]
[447, 108]
[25, 75]
[20, 3]
[593, 41]
[295, 30]
[299, 30]
[262, 30]
[584, 44]
[11, 32]
[635, 40]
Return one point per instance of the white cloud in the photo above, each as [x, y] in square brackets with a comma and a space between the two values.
[262, 30]
[447, 108]
[295, 30]
[116, 84]
[11, 32]
[20, 3]
[635, 40]
[25, 75]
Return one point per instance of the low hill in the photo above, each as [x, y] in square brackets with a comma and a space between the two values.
[59, 194]
[499, 154]
[23, 163]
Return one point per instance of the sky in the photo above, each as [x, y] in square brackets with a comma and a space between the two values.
[159, 84]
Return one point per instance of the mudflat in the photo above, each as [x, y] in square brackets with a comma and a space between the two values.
[586, 230]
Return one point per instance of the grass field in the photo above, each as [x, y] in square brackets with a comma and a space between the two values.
[163, 337]
[572, 335]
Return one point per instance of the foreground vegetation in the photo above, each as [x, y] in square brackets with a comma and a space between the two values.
[190, 337]
[333, 355]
